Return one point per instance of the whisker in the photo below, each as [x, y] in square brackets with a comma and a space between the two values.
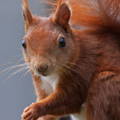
[74, 64]
[12, 62]
[12, 67]
[69, 68]
[16, 72]
[26, 72]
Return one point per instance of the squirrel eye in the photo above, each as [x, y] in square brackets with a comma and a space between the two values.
[24, 44]
[62, 42]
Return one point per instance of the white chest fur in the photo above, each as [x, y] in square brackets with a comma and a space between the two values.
[49, 83]
[81, 116]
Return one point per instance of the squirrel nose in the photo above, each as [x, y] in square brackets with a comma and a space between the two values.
[42, 68]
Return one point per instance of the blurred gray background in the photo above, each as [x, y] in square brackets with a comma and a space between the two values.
[16, 91]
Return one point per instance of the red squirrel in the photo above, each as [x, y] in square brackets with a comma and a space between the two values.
[74, 58]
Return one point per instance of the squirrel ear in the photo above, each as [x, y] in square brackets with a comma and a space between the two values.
[27, 15]
[62, 15]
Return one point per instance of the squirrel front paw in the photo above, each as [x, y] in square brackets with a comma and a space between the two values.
[32, 112]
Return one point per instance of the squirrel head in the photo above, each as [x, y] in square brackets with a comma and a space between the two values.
[48, 44]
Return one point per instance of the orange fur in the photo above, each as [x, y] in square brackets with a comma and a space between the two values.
[84, 69]
[97, 12]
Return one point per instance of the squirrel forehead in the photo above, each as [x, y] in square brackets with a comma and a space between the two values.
[43, 28]
[39, 33]
[41, 38]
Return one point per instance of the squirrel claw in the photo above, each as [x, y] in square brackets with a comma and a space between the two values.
[32, 112]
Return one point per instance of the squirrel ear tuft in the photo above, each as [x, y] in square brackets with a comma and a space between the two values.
[62, 15]
[26, 14]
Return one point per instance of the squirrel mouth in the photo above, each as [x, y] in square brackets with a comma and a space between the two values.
[40, 73]
[44, 74]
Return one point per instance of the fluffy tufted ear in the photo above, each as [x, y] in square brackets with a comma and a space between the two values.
[26, 14]
[62, 15]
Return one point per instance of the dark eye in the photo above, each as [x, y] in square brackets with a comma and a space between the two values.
[24, 44]
[62, 42]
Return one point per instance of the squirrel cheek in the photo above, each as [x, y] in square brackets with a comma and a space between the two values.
[26, 58]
